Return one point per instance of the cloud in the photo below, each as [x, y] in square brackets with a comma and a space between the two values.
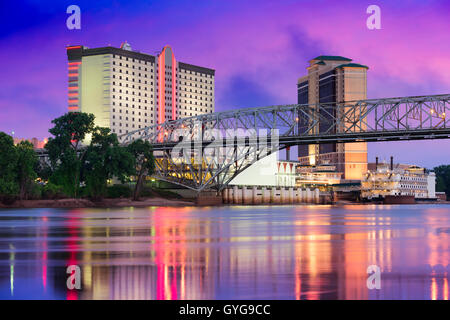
[258, 48]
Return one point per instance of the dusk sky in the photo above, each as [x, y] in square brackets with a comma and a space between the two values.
[258, 48]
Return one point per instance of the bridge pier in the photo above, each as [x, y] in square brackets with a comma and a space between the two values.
[255, 198]
[225, 195]
[316, 196]
[299, 195]
[272, 195]
[282, 195]
[235, 194]
[248, 195]
[265, 198]
[291, 195]
[308, 195]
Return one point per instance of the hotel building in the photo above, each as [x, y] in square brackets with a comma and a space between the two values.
[127, 90]
[333, 79]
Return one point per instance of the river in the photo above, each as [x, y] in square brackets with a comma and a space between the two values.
[236, 252]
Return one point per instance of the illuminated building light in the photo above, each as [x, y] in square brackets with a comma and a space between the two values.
[174, 86]
[161, 86]
[73, 108]
[164, 65]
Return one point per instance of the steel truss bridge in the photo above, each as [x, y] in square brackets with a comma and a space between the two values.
[209, 150]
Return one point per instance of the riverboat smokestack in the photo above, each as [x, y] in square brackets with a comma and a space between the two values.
[376, 163]
[392, 163]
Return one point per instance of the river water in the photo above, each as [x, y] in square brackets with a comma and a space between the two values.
[239, 252]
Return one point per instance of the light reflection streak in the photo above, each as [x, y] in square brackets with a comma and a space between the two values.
[191, 253]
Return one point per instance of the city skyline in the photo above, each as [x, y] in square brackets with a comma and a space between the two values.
[250, 70]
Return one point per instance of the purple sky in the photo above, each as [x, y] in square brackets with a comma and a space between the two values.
[258, 49]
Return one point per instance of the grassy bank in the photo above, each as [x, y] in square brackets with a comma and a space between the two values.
[117, 196]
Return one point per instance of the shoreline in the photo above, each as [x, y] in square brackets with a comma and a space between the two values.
[151, 202]
[104, 203]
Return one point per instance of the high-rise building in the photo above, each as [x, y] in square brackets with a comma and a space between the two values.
[331, 80]
[127, 90]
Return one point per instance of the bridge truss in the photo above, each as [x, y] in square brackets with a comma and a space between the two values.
[209, 150]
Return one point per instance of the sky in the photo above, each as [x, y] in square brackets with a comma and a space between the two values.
[258, 48]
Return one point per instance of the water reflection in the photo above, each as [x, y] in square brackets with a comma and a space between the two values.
[298, 252]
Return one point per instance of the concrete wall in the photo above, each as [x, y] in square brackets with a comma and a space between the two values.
[273, 195]
[95, 86]
[262, 173]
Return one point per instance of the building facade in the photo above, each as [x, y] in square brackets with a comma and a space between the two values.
[331, 80]
[269, 171]
[319, 175]
[37, 144]
[127, 90]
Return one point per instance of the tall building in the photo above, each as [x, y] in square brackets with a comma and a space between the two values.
[333, 79]
[127, 90]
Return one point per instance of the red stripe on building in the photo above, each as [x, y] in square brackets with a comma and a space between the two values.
[174, 86]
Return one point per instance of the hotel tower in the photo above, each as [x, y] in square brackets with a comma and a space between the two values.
[127, 90]
[334, 79]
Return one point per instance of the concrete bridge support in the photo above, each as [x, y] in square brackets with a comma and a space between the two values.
[282, 195]
[235, 194]
[316, 196]
[299, 195]
[274, 195]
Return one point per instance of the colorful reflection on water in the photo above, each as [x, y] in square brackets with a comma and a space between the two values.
[267, 252]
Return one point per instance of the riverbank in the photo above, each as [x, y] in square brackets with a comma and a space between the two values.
[151, 202]
[105, 203]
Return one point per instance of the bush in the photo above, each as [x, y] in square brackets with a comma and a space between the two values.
[150, 191]
[35, 191]
[8, 191]
[7, 199]
[118, 191]
[52, 191]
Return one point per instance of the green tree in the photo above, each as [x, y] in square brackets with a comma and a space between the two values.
[8, 174]
[25, 167]
[105, 159]
[65, 149]
[443, 179]
[144, 163]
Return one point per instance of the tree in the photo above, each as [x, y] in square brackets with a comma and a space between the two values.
[144, 163]
[25, 167]
[443, 178]
[65, 149]
[105, 159]
[8, 174]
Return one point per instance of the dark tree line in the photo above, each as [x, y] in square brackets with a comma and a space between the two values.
[83, 158]
[17, 168]
[443, 179]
